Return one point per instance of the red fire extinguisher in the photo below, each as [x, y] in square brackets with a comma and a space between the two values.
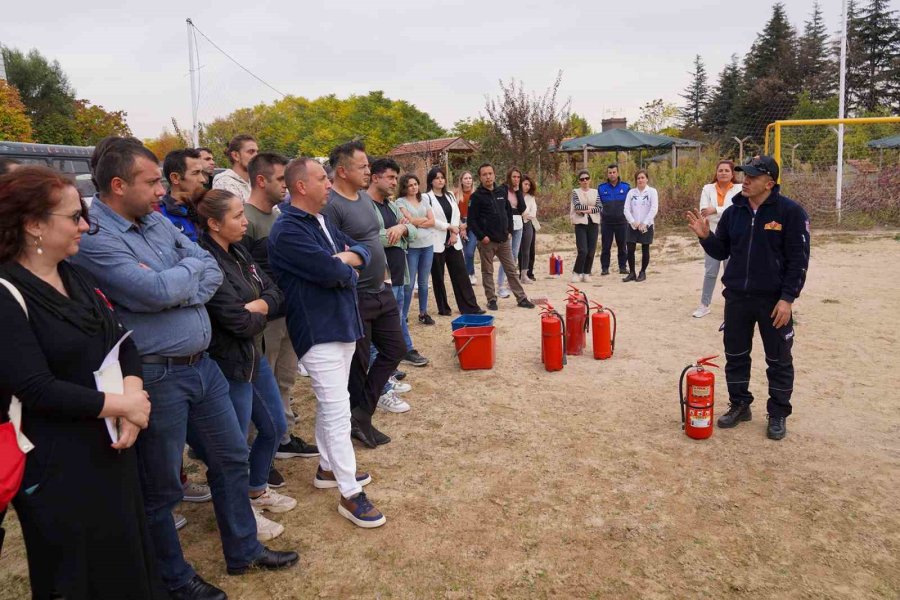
[603, 336]
[553, 332]
[556, 265]
[577, 323]
[697, 409]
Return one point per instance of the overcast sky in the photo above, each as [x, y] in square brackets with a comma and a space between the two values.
[444, 57]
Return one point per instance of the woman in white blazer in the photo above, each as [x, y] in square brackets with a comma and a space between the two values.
[714, 199]
[448, 248]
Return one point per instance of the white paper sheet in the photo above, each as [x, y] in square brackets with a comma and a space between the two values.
[109, 379]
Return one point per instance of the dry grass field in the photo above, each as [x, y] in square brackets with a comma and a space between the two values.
[519, 483]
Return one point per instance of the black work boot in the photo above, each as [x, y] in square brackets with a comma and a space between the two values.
[737, 412]
[777, 428]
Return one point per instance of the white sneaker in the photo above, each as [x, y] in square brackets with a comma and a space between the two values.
[473, 280]
[391, 402]
[701, 311]
[302, 370]
[576, 277]
[504, 292]
[586, 278]
[265, 529]
[272, 501]
[398, 386]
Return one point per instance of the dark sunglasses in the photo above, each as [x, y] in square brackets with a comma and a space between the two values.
[584, 179]
[75, 217]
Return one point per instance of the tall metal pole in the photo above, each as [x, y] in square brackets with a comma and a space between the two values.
[842, 92]
[195, 130]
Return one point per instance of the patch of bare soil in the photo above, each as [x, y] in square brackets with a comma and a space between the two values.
[519, 483]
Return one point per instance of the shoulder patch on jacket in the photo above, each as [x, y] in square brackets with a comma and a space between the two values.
[773, 226]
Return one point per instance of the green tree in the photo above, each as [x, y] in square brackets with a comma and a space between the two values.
[46, 94]
[577, 126]
[771, 77]
[879, 40]
[814, 60]
[15, 126]
[296, 125]
[720, 111]
[93, 123]
[657, 117]
[473, 129]
[696, 96]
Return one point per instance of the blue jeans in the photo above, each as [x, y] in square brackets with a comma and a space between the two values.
[469, 245]
[260, 402]
[419, 262]
[400, 295]
[192, 402]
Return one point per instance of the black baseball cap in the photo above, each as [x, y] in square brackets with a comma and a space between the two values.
[760, 165]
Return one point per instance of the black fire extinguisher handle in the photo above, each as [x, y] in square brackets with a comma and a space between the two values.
[681, 393]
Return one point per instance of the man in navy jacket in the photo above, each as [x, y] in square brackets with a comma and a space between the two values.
[766, 237]
[316, 265]
[613, 224]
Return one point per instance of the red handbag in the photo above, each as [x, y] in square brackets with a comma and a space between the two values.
[13, 444]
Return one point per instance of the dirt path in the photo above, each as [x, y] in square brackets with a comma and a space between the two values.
[518, 483]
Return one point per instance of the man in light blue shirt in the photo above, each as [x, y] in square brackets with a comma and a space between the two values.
[159, 280]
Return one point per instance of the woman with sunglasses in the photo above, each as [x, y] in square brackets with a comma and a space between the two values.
[584, 212]
[80, 503]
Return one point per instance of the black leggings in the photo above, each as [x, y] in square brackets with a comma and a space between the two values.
[645, 256]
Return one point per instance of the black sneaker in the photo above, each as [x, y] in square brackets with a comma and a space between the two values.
[641, 276]
[777, 428]
[629, 277]
[381, 438]
[399, 375]
[425, 319]
[737, 412]
[525, 303]
[492, 305]
[623, 271]
[531, 277]
[480, 311]
[604, 272]
[297, 448]
[357, 433]
[276, 479]
[414, 358]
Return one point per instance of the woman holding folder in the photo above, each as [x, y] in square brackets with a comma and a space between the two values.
[80, 502]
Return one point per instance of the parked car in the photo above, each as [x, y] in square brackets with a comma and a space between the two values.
[71, 160]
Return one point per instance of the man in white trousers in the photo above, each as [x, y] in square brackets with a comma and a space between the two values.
[316, 267]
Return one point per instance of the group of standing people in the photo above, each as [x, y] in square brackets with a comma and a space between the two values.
[613, 212]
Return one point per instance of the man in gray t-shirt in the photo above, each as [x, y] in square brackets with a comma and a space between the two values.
[353, 212]
[357, 219]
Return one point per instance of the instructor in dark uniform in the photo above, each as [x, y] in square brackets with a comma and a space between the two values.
[766, 236]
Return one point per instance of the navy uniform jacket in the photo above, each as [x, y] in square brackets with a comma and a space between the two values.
[768, 251]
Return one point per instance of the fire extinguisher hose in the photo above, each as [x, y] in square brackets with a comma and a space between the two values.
[681, 393]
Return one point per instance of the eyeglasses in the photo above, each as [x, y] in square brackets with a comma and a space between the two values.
[75, 217]
[584, 179]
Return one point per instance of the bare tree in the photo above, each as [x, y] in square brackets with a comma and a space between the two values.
[526, 125]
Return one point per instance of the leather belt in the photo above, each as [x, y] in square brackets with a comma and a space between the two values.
[156, 359]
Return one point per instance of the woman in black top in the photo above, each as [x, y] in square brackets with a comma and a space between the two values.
[448, 248]
[80, 503]
[239, 311]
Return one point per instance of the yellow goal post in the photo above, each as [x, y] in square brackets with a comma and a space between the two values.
[822, 149]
